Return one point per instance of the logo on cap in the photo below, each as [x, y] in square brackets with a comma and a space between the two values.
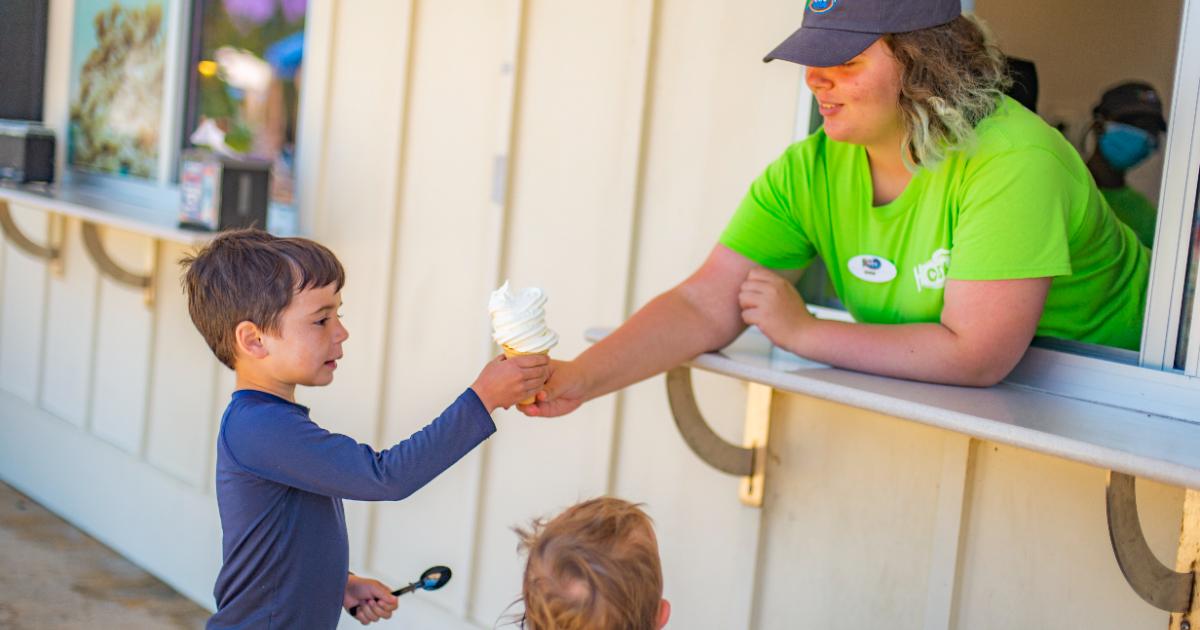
[821, 6]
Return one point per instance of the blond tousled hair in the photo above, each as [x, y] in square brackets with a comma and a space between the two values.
[593, 567]
[953, 76]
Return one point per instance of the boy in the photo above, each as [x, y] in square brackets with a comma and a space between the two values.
[268, 308]
[593, 567]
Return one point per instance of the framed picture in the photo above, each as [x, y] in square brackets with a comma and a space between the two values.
[118, 71]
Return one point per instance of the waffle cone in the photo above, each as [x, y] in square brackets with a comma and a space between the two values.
[510, 353]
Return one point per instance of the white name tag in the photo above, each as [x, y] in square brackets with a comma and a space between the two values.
[872, 268]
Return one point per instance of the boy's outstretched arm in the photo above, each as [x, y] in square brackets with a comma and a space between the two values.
[287, 447]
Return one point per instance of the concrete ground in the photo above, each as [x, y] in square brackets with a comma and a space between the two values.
[55, 577]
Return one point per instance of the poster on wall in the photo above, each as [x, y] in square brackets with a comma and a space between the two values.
[117, 65]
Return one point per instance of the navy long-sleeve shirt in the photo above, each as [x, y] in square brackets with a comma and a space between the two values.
[280, 484]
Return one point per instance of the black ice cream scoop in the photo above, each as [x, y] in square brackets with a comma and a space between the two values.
[431, 580]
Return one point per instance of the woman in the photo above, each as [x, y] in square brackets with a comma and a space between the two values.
[955, 223]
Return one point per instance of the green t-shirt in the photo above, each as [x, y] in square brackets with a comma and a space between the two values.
[1020, 205]
[1134, 210]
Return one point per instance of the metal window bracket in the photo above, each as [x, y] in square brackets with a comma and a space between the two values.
[51, 253]
[1163, 588]
[748, 461]
[109, 267]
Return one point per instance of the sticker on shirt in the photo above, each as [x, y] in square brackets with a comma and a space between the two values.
[872, 268]
[931, 274]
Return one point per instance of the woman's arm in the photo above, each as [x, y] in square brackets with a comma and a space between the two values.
[985, 328]
[698, 315]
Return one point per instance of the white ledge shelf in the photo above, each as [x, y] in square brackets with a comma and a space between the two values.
[1141, 444]
[1128, 443]
[92, 207]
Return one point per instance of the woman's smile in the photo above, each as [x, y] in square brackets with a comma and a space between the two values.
[829, 109]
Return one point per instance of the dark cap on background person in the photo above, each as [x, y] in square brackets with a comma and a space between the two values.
[1132, 102]
[836, 31]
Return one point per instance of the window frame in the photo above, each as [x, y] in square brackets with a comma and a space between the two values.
[159, 190]
[162, 192]
[1177, 208]
[1150, 384]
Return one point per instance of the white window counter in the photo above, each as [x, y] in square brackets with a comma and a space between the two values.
[1127, 442]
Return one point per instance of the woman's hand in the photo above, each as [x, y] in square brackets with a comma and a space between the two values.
[374, 600]
[774, 305]
[562, 393]
[503, 382]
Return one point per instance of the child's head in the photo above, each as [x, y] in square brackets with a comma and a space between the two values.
[593, 567]
[269, 303]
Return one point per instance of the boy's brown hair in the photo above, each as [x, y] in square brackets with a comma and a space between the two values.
[250, 275]
[593, 567]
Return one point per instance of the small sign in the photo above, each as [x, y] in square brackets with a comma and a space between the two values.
[872, 268]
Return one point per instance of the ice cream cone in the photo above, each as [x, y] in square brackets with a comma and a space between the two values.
[510, 353]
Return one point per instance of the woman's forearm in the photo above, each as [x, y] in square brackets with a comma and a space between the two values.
[673, 328]
[922, 352]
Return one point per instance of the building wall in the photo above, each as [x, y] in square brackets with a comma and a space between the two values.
[596, 150]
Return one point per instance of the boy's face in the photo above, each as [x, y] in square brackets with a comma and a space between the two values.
[305, 349]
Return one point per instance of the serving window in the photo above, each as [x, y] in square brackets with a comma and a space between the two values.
[1079, 50]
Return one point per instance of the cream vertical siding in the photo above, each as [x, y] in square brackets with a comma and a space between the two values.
[70, 333]
[595, 149]
[21, 314]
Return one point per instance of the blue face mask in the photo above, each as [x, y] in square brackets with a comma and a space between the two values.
[1125, 146]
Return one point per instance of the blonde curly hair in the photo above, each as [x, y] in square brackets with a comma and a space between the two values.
[953, 76]
[593, 567]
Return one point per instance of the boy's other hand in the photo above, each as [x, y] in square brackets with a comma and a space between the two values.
[503, 382]
[563, 393]
[374, 600]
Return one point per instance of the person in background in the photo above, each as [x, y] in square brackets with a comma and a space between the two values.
[1128, 123]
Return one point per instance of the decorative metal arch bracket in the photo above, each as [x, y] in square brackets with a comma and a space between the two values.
[51, 253]
[118, 274]
[749, 461]
[1162, 587]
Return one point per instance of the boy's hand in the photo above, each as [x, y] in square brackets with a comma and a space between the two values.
[374, 600]
[503, 382]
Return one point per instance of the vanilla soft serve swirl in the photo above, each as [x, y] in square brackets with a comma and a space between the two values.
[519, 320]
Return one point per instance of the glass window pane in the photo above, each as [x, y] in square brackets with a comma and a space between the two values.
[244, 79]
[1189, 292]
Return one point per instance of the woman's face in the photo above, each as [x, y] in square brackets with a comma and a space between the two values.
[860, 99]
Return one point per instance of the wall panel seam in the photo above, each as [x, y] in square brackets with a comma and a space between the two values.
[40, 373]
[391, 256]
[89, 395]
[637, 202]
[3, 286]
[499, 224]
[317, 104]
[148, 397]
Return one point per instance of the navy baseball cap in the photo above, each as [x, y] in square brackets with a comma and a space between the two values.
[836, 31]
[1134, 102]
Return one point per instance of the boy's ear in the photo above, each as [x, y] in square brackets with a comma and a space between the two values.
[248, 340]
[664, 613]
